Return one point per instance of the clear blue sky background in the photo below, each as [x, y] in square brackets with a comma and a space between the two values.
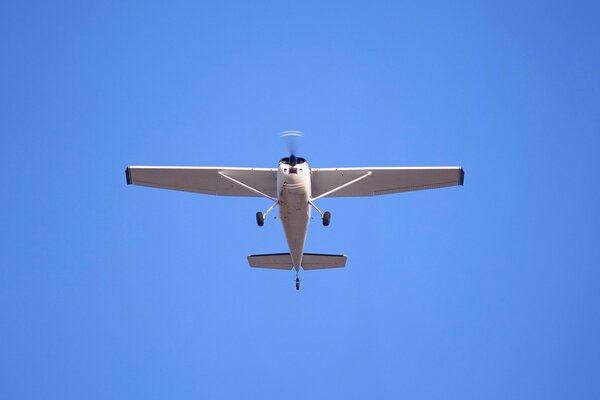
[490, 290]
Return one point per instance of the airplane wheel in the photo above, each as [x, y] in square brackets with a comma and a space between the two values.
[297, 284]
[260, 219]
[326, 218]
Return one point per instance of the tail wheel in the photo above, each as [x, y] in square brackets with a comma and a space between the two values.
[260, 219]
[326, 218]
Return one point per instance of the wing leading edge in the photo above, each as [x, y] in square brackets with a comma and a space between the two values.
[207, 180]
[383, 180]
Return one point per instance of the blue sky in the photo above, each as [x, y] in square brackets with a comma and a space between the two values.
[484, 291]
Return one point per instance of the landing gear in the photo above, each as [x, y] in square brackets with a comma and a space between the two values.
[297, 283]
[325, 215]
[326, 218]
[260, 219]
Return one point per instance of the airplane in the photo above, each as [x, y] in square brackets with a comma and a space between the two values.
[295, 188]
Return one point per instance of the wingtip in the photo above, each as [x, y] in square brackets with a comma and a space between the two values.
[128, 176]
[461, 180]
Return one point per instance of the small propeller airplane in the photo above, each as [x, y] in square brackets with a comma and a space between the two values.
[295, 187]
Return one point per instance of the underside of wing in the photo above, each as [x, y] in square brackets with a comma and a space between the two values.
[379, 181]
[207, 180]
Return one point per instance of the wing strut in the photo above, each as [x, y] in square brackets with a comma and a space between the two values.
[360, 178]
[247, 187]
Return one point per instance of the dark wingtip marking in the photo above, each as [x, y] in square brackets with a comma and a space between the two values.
[128, 175]
[461, 180]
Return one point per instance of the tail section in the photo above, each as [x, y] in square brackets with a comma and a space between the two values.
[310, 261]
[273, 261]
[322, 261]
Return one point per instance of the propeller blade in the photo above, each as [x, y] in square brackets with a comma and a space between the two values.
[292, 140]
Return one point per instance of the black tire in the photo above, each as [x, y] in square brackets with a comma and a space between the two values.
[260, 219]
[326, 218]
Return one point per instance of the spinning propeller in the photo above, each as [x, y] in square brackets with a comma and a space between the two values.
[292, 140]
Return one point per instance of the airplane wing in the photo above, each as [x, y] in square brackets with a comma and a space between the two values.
[207, 180]
[378, 180]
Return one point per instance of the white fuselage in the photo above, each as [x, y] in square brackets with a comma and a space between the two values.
[294, 192]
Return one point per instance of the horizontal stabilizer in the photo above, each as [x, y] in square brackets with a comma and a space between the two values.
[322, 261]
[273, 261]
[310, 261]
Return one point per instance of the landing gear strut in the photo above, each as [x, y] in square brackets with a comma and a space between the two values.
[260, 217]
[326, 216]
